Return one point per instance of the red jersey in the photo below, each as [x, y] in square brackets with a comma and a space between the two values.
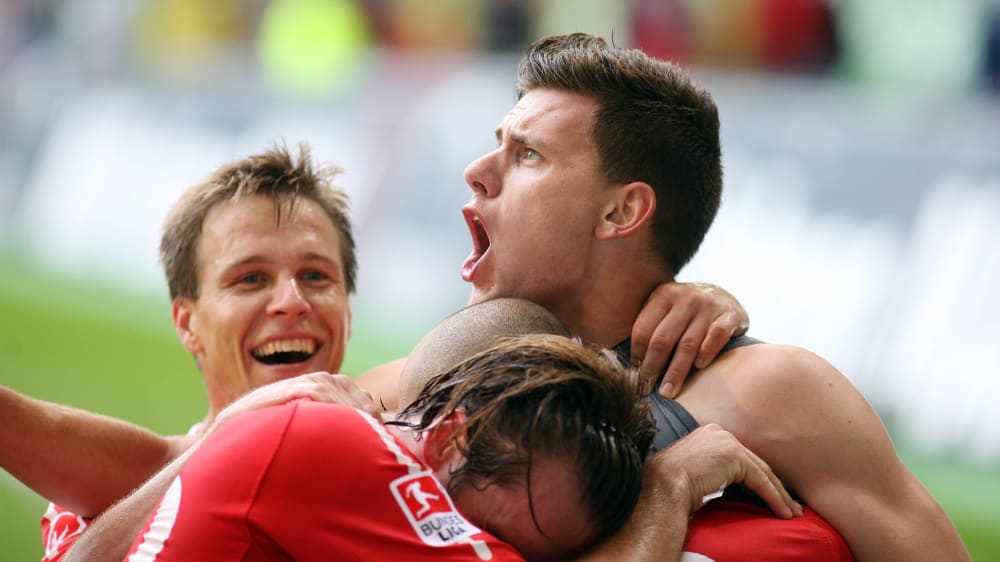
[731, 531]
[309, 481]
[60, 529]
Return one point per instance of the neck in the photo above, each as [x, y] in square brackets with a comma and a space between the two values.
[605, 311]
[209, 419]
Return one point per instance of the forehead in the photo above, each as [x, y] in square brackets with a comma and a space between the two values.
[236, 230]
[556, 118]
[564, 525]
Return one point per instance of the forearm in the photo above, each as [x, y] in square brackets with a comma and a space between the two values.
[111, 535]
[80, 460]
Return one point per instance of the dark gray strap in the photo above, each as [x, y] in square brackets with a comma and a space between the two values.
[672, 420]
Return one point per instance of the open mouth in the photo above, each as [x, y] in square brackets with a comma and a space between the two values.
[480, 241]
[284, 352]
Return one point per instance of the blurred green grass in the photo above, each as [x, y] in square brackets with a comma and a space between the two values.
[82, 344]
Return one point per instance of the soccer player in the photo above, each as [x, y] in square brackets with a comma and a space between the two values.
[606, 175]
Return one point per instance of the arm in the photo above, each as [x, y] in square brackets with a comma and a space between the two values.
[690, 321]
[80, 460]
[110, 536]
[828, 444]
[675, 484]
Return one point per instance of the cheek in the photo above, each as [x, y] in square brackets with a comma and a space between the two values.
[240, 313]
[231, 318]
[335, 310]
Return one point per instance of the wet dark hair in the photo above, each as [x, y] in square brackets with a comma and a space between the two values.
[539, 397]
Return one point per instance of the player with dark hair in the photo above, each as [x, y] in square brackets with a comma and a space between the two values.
[606, 176]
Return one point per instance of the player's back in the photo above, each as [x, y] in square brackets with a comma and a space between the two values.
[309, 481]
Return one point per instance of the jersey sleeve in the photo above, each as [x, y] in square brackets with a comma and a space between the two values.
[60, 530]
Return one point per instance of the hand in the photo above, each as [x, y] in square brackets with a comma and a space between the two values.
[691, 320]
[711, 458]
[320, 386]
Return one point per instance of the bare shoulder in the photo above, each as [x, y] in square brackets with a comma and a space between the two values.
[822, 438]
[771, 370]
[382, 382]
[776, 392]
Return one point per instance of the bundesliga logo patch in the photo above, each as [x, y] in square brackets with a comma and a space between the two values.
[429, 510]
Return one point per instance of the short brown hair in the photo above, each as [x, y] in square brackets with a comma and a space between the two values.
[550, 396]
[275, 173]
[653, 124]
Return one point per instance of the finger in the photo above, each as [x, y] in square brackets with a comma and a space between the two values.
[657, 307]
[762, 481]
[684, 355]
[717, 336]
[372, 408]
[662, 342]
[342, 389]
[723, 300]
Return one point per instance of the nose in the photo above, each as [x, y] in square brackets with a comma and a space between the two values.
[481, 176]
[288, 299]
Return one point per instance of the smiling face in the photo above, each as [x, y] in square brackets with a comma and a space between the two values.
[536, 202]
[273, 303]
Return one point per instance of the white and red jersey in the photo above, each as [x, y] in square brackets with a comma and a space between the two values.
[60, 529]
[309, 481]
[735, 531]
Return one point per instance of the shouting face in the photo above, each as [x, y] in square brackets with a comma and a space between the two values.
[536, 202]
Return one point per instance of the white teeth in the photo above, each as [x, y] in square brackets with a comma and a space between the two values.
[302, 345]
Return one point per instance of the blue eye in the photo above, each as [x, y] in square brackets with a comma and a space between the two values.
[314, 275]
[252, 278]
[530, 154]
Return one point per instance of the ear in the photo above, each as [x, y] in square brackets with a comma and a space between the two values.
[184, 323]
[441, 450]
[630, 210]
[348, 325]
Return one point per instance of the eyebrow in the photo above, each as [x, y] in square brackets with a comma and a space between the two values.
[253, 259]
[516, 138]
[259, 259]
[313, 256]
